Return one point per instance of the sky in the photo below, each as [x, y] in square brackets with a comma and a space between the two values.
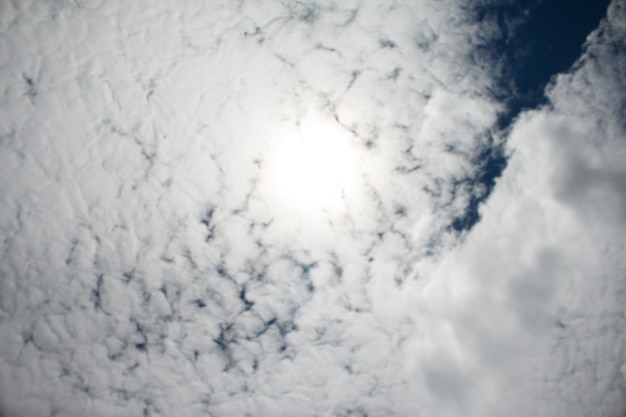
[313, 208]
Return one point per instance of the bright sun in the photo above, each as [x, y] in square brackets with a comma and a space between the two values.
[312, 168]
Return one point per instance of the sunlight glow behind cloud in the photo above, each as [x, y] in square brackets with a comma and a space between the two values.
[312, 168]
[290, 208]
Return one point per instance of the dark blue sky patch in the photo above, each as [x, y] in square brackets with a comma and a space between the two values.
[242, 296]
[538, 40]
[492, 162]
[554, 34]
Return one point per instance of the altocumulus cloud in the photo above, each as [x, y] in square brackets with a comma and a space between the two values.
[302, 209]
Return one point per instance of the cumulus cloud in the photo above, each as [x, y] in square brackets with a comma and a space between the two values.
[540, 279]
[157, 259]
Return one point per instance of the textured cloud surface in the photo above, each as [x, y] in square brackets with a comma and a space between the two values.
[265, 208]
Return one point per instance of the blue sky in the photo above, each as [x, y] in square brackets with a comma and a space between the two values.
[547, 39]
[290, 208]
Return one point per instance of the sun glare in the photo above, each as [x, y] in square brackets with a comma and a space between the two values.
[312, 168]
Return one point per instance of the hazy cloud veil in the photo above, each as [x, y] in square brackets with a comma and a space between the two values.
[167, 248]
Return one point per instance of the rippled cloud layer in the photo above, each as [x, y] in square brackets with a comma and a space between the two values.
[305, 209]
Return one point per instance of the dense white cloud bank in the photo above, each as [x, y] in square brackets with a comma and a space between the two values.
[158, 258]
[540, 281]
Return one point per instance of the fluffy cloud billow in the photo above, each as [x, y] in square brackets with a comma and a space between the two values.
[306, 209]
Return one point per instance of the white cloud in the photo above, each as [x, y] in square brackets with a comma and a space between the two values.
[534, 294]
[150, 265]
